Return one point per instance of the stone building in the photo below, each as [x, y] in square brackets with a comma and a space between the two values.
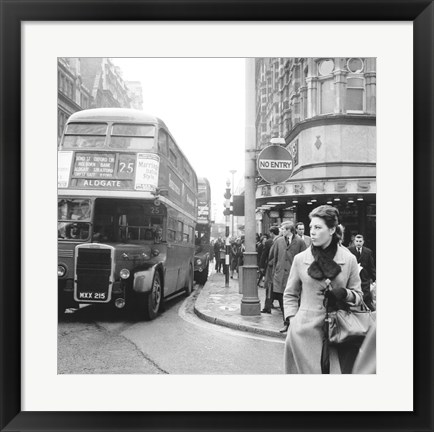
[72, 93]
[325, 109]
[135, 93]
[92, 83]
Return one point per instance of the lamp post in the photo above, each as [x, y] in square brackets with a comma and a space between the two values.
[233, 187]
[250, 304]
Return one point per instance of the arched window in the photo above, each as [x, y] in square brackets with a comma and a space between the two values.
[355, 95]
[326, 87]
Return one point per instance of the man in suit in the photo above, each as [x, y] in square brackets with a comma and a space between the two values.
[367, 273]
[300, 232]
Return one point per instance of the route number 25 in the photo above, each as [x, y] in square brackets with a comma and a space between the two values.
[126, 167]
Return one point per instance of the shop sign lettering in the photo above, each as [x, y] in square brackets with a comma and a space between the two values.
[363, 186]
[340, 186]
[265, 191]
[299, 188]
[318, 187]
[280, 189]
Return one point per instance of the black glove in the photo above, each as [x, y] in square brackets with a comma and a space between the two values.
[336, 298]
[339, 293]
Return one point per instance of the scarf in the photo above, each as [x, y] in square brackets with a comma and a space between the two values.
[323, 266]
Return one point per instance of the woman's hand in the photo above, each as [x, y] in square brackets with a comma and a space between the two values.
[337, 294]
[336, 298]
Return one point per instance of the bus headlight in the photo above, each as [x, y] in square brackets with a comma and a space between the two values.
[199, 261]
[124, 274]
[61, 271]
[155, 252]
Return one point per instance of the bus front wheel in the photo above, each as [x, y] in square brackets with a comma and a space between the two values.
[149, 303]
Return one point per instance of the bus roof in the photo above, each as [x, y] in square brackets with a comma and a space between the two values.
[203, 181]
[115, 114]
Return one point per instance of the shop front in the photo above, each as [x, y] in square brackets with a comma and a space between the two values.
[354, 198]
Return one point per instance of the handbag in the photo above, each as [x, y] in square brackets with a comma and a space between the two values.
[349, 326]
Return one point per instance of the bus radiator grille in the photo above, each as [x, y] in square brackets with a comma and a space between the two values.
[64, 253]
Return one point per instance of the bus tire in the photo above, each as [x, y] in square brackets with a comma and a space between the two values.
[190, 282]
[149, 303]
[202, 277]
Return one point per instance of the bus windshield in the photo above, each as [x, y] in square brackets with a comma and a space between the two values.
[128, 221]
[74, 209]
[73, 219]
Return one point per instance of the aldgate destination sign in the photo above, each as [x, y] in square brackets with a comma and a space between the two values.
[275, 164]
[108, 171]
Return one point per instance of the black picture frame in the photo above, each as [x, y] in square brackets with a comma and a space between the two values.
[13, 13]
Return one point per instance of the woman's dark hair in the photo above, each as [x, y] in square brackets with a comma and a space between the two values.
[330, 215]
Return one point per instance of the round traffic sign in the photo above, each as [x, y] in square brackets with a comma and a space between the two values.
[275, 164]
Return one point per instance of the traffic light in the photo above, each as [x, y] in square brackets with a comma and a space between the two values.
[227, 211]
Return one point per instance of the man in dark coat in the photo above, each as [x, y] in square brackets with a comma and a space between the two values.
[287, 246]
[263, 258]
[266, 267]
[217, 247]
[365, 258]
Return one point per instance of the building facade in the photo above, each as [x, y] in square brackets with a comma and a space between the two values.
[72, 93]
[135, 93]
[325, 109]
[92, 83]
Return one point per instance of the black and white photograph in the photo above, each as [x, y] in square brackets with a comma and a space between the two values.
[217, 216]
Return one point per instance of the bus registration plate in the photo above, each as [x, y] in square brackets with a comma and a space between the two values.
[95, 296]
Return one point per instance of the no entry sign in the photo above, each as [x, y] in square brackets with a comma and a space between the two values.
[275, 164]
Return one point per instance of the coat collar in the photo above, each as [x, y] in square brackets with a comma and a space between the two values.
[294, 240]
[339, 257]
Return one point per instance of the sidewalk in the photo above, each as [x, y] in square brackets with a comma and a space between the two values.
[220, 305]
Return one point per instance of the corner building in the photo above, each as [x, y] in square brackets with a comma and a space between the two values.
[325, 109]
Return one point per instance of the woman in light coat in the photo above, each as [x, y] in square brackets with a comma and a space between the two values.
[324, 262]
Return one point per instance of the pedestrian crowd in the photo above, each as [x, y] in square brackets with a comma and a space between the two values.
[236, 254]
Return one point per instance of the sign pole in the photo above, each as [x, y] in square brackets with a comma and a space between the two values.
[250, 304]
[227, 213]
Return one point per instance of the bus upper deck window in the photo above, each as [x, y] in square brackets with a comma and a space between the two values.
[130, 136]
[133, 130]
[162, 141]
[85, 135]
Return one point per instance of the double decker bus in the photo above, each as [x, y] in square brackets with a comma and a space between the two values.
[203, 231]
[127, 208]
